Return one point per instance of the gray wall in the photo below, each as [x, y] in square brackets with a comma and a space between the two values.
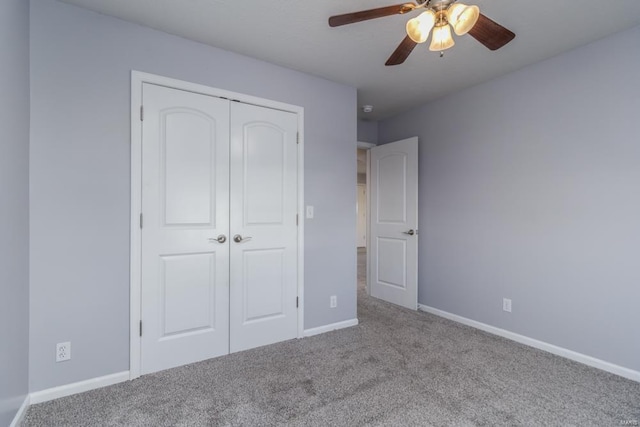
[529, 189]
[368, 131]
[14, 206]
[80, 177]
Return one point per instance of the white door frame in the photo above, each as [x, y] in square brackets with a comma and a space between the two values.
[137, 80]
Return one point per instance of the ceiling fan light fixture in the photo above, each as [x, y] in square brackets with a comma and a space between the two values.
[438, 17]
[462, 17]
[441, 39]
[419, 27]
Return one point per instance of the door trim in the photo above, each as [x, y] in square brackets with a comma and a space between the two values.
[137, 80]
[365, 145]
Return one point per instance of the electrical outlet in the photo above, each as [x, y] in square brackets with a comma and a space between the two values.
[506, 305]
[333, 301]
[63, 351]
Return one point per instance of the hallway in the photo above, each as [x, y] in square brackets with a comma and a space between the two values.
[362, 271]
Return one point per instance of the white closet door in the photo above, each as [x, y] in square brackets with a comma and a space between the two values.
[185, 194]
[264, 206]
[393, 254]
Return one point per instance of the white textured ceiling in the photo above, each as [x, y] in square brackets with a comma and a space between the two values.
[295, 34]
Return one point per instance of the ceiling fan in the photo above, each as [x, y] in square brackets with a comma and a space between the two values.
[439, 15]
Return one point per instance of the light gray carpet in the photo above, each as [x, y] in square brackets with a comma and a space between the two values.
[397, 368]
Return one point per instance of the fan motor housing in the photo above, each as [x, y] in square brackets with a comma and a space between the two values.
[437, 4]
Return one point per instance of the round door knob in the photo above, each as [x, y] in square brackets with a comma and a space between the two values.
[410, 232]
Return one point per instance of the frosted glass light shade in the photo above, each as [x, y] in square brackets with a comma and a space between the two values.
[462, 17]
[418, 28]
[441, 39]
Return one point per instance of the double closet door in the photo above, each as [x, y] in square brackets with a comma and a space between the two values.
[219, 234]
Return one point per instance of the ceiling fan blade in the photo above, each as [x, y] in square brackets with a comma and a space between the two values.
[490, 33]
[402, 52]
[364, 15]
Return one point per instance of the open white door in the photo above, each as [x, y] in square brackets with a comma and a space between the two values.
[393, 245]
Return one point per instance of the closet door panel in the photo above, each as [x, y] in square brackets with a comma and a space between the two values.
[263, 217]
[214, 168]
[263, 174]
[185, 206]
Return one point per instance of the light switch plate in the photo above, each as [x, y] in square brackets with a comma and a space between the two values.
[309, 212]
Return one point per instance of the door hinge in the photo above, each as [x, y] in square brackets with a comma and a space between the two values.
[141, 221]
[141, 113]
[298, 138]
[141, 328]
[297, 300]
[297, 216]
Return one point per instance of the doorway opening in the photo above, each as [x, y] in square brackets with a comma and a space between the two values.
[388, 267]
[362, 215]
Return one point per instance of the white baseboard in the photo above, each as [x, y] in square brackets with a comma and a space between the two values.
[331, 327]
[22, 411]
[79, 387]
[541, 345]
